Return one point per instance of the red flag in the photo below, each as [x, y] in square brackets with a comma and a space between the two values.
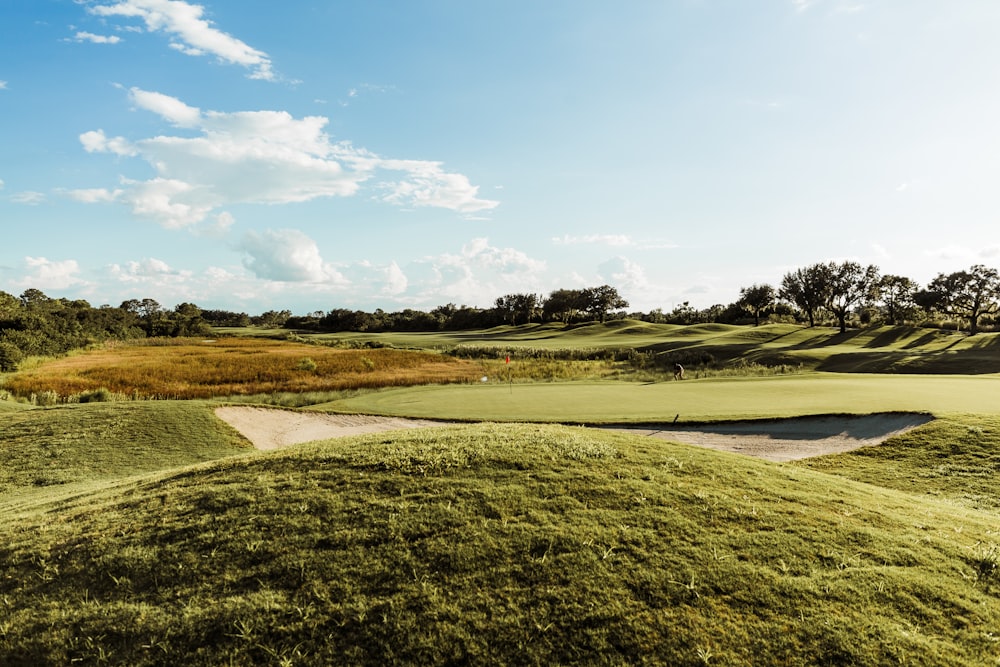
[508, 359]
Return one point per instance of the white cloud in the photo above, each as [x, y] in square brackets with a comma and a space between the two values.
[395, 280]
[1, 184]
[432, 187]
[28, 197]
[287, 255]
[167, 107]
[476, 275]
[170, 202]
[96, 39]
[44, 274]
[95, 141]
[196, 36]
[3, 85]
[623, 274]
[94, 195]
[262, 157]
[150, 270]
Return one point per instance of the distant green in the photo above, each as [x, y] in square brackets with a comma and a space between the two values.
[688, 400]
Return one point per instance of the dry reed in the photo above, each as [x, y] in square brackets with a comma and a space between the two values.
[184, 368]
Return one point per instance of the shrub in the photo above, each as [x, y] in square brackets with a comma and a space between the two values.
[10, 357]
[102, 395]
[306, 364]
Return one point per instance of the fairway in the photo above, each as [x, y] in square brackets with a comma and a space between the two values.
[688, 401]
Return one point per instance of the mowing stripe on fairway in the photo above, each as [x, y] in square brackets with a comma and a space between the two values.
[691, 400]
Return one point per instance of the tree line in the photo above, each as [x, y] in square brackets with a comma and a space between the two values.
[841, 293]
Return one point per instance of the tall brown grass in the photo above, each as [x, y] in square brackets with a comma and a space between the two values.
[185, 368]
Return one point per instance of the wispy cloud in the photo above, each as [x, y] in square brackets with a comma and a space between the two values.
[28, 197]
[838, 7]
[3, 85]
[365, 89]
[148, 271]
[192, 34]
[260, 157]
[613, 240]
[599, 239]
[96, 39]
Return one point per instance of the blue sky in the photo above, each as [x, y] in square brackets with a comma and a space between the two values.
[254, 155]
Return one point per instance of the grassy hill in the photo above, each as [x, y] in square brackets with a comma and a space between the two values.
[494, 544]
[53, 452]
[886, 349]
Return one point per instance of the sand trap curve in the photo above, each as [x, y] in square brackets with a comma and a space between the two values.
[269, 428]
[777, 440]
[790, 439]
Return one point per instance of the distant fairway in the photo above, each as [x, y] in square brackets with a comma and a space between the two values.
[692, 400]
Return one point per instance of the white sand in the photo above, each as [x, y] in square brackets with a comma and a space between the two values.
[777, 440]
[790, 439]
[269, 428]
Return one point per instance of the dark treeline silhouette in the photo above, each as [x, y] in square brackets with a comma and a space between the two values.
[844, 294]
[38, 325]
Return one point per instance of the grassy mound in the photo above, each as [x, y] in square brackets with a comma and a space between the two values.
[883, 349]
[499, 544]
[58, 450]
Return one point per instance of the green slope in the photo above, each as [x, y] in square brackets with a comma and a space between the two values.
[885, 349]
[500, 544]
[54, 451]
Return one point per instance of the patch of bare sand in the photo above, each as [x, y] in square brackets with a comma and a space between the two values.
[789, 439]
[271, 428]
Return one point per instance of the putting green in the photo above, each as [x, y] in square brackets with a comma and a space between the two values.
[689, 400]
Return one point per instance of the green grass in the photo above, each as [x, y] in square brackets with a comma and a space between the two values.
[52, 452]
[500, 544]
[955, 458]
[693, 400]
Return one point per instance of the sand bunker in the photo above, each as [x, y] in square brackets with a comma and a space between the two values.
[777, 440]
[789, 439]
[269, 428]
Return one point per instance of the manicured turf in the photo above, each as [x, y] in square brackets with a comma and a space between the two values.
[689, 400]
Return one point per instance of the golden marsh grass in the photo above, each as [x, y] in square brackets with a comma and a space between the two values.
[185, 368]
